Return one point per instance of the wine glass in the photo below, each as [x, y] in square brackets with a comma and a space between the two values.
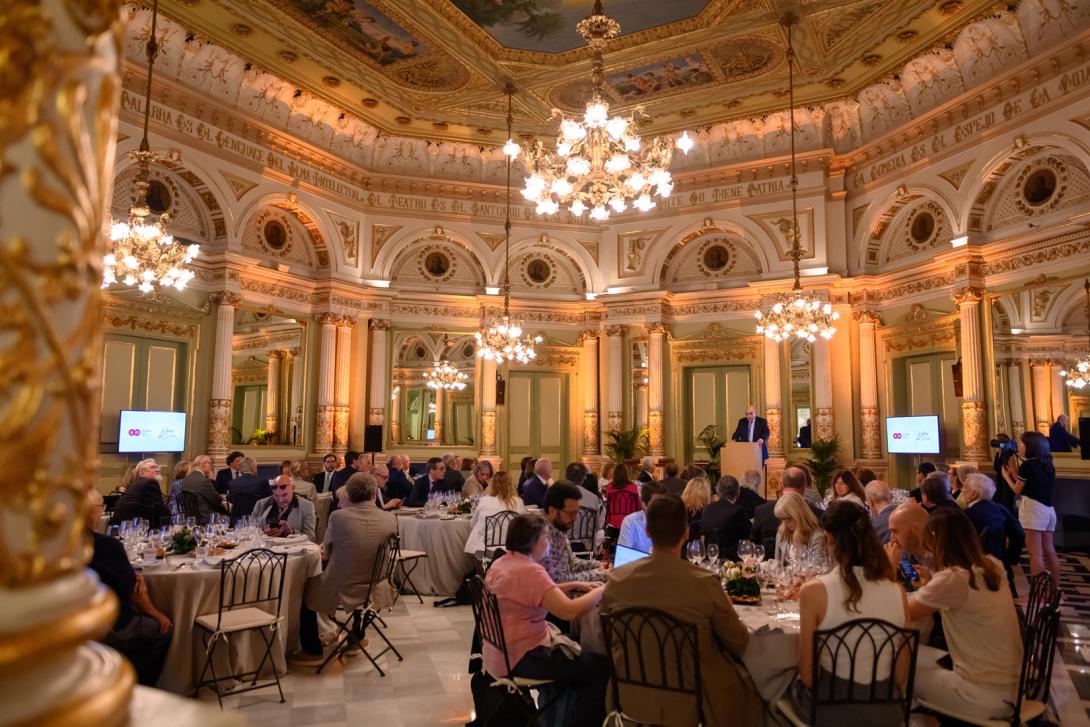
[712, 550]
[758, 552]
[745, 549]
[114, 532]
[695, 551]
[190, 522]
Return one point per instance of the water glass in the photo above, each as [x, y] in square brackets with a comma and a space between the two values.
[114, 532]
[204, 548]
[695, 551]
[758, 552]
[712, 550]
[745, 549]
[190, 522]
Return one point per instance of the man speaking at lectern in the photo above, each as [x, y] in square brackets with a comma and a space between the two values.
[752, 428]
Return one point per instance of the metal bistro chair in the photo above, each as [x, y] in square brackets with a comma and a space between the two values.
[1041, 594]
[495, 531]
[360, 616]
[486, 612]
[864, 684]
[619, 503]
[650, 649]
[251, 580]
[407, 561]
[582, 531]
[187, 504]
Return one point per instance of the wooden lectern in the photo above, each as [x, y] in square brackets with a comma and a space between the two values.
[737, 457]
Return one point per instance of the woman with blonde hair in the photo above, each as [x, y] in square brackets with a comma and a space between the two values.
[958, 475]
[606, 476]
[697, 495]
[798, 526]
[500, 495]
[300, 477]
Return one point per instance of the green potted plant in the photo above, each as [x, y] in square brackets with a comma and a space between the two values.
[261, 437]
[824, 460]
[712, 442]
[627, 445]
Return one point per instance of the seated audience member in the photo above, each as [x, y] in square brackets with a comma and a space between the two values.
[1001, 535]
[398, 485]
[577, 473]
[811, 494]
[199, 482]
[724, 522]
[620, 483]
[500, 495]
[561, 509]
[526, 595]
[454, 477]
[865, 476]
[906, 546]
[1059, 438]
[979, 621]
[284, 513]
[143, 498]
[697, 496]
[434, 480]
[881, 506]
[141, 631]
[353, 462]
[323, 481]
[232, 471]
[353, 536]
[533, 490]
[479, 478]
[799, 527]
[381, 475]
[673, 484]
[765, 523]
[127, 478]
[692, 470]
[647, 470]
[285, 469]
[180, 471]
[935, 492]
[860, 585]
[244, 491]
[606, 476]
[634, 527]
[958, 475]
[304, 485]
[922, 471]
[748, 497]
[526, 472]
[846, 487]
[667, 582]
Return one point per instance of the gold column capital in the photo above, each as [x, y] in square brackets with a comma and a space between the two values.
[379, 324]
[226, 297]
[612, 331]
[327, 319]
[867, 315]
[968, 294]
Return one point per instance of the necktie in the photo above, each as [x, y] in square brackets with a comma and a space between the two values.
[751, 431]
[237, 473]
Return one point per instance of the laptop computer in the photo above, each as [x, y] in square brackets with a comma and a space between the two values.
[626, 555]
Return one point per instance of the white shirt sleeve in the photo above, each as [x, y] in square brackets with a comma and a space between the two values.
[948, 590]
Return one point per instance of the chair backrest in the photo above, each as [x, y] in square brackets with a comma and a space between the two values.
[495, 529]
[651, 649]
[584, 527]
[486, 612]
[622, 502]
[187, 503]
[856, 663]
[253, 578]
[109, 502]
[1039, 651]
[1041, 593]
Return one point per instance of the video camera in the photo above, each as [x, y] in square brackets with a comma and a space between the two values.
[1004, 444]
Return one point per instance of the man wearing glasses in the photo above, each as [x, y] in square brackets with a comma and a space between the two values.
[561, 509]
[285, 513]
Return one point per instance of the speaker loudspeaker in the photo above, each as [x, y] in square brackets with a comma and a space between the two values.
[1084, 437]
[372, 438]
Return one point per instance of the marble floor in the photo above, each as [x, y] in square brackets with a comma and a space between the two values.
[431, 686]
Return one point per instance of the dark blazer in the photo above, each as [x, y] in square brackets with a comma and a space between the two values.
[423, 487]
[1061, 440]
[243, 492]
[398, 486]
[765, 525]
[725, 524]
[673, 485]
[208, 500]
[748, 500]
[805, 437]
[533, 492]
[645, 476]
[1001, 535]
[337, 481]
[143, 498]
[321, 480]
[760, 431]
[455, 480]
[224, 476]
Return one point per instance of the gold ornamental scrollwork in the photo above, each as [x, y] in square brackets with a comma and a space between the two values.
[225, 297]
[327, 319]
[968, 294]
[615, 330]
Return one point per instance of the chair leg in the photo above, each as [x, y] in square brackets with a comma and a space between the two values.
[408, 579]
[268, 655]
[389, 646]
[215, 677]
[208, 648]
[341, 627]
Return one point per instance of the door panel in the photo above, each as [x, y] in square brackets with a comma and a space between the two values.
[714, 395]
[537, 413]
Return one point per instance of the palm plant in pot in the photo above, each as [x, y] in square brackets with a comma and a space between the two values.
[626, 446]
[824, 461]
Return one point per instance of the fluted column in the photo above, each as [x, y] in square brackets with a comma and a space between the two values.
[655, 350]
[488, 407]
[974, 415]
[1058, 390]
[590, 393]
[295, 398]
[327, 373]
[1042, 395]
[272, 394]
[615, 378]
[440, 415]
[868, 385]
[639, 394]
[341, 384]
[823, 425]
[60, 90]
[1014, 386]
[773, 397]
[380, 375]
[219, 405]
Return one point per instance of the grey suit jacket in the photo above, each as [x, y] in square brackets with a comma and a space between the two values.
[208, 500]
[352, 539]
[301, 519]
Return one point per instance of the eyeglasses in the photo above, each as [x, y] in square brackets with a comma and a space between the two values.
[280, 487]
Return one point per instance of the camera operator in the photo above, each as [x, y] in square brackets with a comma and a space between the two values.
[1005, 448]
[1033, 480]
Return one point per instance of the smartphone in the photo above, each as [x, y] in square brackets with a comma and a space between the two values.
[908, 570]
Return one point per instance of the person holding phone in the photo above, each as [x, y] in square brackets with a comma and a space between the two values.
[1033, 480]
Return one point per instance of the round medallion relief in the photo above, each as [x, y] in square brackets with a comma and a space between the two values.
[1039, 187]
[436, 264]
[922, 227]
[716, 258]
[275, 234]
[159, 198]
[538, 270]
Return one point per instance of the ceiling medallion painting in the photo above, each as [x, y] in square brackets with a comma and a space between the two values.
[365, 29]
[675, 74]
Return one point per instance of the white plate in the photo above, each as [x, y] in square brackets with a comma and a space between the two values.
[290, 539]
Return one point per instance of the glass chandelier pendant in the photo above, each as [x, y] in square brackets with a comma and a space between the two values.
[140, 250]
[445, 375]
[600, 164]
[502, 339]
[796, 314]
[1077, 375]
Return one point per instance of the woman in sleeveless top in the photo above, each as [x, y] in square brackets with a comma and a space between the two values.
[861, 585]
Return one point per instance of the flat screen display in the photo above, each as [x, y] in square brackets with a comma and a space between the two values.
[912, 435]
[151, 431]
[625, 555]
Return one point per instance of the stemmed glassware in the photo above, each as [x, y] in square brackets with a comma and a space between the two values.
[695, 552]
[745, 549]
[712, 550]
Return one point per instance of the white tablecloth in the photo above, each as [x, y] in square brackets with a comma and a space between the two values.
[444, 541]
[185, 594]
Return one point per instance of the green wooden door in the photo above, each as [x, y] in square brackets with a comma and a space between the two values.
[714, 395]
[537, 414]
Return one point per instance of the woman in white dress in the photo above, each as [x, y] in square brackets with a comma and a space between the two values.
[499, 496]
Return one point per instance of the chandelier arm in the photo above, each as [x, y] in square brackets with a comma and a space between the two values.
[152, 51]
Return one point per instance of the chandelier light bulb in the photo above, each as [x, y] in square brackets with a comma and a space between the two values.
[578, 167]
[618, 163]
[643, 203]
[616, 127]
[599, 213]
[577, 208]
[561, 187]
[511, 149]
[596, 115]
[617, 203]
[685, 142]
[563, 149]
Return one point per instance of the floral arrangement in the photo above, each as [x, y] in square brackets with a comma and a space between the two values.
[464, 507]
[182, 542]
[740, 582]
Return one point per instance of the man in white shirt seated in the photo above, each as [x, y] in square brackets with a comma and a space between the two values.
[634, 526]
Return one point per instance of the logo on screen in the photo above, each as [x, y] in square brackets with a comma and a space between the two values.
[134, 432]
[896, 435]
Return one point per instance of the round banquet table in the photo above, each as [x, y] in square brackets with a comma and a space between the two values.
[444, 541]
[186, 593]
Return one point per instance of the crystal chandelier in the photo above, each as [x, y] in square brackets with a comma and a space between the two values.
[444, 375]
[501, 339]
[1077, 376]
[600, 163]
[797, 313]
[141, 252]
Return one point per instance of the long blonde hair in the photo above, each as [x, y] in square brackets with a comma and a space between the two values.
[792, 505]
[502, 487]
[697, 494]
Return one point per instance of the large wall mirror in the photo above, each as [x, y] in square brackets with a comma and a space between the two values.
[639, 382]
[422, 414]
[800, 433]
[267, 377]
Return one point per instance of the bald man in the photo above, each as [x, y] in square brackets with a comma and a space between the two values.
[906, 545]
[752, 428]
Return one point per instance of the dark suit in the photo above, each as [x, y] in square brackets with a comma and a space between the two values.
[748, 500]
[533, 492]
[208, 500]
[645, 476]
[243, 493]
[1001, 535]
[673, 485]
[765, 525]
[725, 524]
[224, 476]
[323, 480]
[337, 481]
[760, 431]
[1061, 440]
[423, 487]
[805, 438]
[143, 498]
[455, 480]
[398, 487]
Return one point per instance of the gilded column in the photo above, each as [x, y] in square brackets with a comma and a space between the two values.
[1041, 373]
[219, 406]
[59, 90]
[823, 425]
[1058, 394]
[440, 414]
[655, 346]
[379, 374]
[974, 416]
[327, 372]
[341, 385]
[295, 397]
[395, 412]
[1014, 386]
[590, 393]
[868, 385]
[488, 407]
[773, 397]
[615, 380]
[639, 393]
[272, 395]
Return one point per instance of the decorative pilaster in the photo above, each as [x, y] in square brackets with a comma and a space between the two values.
[488, 406]
[272, 395]
[1058, 393]
[823, 425]
[639, 394]
[376, 413]
[868, 385]
[1014, 397]
[395, 411]
[342, 384]
[327, 361]
[590, 393]
[219, 405]
[295, 398]
[440, 415]
[1041, 372]
[974, 415]
[615, 380]
[655, 345]
[773, 397]
[59, 94]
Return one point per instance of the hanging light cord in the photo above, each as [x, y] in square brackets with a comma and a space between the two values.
[510, 89]
[796, 251]
[152, 53]
[1086, 287]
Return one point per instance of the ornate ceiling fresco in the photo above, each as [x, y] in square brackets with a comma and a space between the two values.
[434, 68]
